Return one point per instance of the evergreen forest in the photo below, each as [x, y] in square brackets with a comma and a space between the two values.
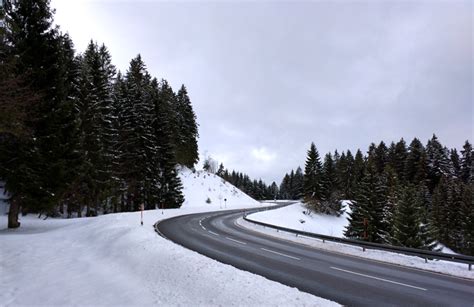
[77, 136]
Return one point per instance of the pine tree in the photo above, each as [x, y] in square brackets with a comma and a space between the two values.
[438, 162]
[357, 173]
[46, 165]
[409, 231]
[455, 162]
[169, 183]
[441, 201]
[187, 131]
[398, 159]
[313, 181]
[387, 192]
[366, 220]
[284, 187]
[298, 182]
[415, 169]
[94, 180]
[466, 220]
[467, 167]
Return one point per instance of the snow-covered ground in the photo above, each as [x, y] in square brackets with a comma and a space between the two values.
[202, 186]
[112, 260]
[296, 217]
[292, 216]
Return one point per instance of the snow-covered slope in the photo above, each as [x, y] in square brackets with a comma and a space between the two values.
[202, 186]
[112, 260]
[297, 216]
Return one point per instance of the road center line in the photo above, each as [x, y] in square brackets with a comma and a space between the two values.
[378, 278]
[237, 241]
[284, 255]
[216, 234]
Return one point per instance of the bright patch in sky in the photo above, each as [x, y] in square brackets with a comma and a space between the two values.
[263, 155]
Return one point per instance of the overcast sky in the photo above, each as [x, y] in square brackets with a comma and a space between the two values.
[268, 78]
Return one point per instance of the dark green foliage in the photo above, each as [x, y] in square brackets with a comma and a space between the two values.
[367, 217]
[409, 228]
[433, 186]
[314, 182]
[78, 135]
[44, 59]
[291, 186]
[93, 182]
[415, 168]
[397, 157]
[187, 131]
[169, 183]
[467, 167]
[438, 162]
[256, 189]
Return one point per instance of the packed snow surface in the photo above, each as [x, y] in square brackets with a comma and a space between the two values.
[296, 216]
[112, 260]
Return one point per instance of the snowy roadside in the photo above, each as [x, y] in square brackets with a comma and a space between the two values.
[112, 260]
[291, 217]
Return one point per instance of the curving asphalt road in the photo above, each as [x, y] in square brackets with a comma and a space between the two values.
[344, 279]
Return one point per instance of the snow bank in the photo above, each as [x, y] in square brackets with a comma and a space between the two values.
[296, 216]
[292, 215]
[112, 260]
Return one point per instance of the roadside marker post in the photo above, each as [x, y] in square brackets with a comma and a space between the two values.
[142, 207]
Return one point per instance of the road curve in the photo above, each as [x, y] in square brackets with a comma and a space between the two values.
[344, 279]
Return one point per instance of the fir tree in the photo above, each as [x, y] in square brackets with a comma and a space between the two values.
[46, 164]
[357, 173]
[313, 181]
[187, 131]
[366, 220]
[437, 161]
[455, 162]
[467, 167]
[415, 169]
[169, 183]
[409, 231]
[298, 182]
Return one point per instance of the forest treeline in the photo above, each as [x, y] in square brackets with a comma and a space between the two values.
[76, 135]
[409, 195]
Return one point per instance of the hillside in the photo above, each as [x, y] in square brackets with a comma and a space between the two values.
[202, 186]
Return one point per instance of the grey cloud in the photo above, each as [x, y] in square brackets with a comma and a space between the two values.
[271, 77]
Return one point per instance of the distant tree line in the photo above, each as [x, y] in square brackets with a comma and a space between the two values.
[76, 136]
[410, 196]
[256, 189]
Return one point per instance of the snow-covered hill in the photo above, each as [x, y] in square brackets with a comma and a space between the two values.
[201, 188]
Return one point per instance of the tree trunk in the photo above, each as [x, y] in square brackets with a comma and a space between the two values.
[13, 214]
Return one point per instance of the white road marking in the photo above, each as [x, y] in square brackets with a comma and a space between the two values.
[237, 241]
[284, 255]
[216, 234]
[378, 278]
